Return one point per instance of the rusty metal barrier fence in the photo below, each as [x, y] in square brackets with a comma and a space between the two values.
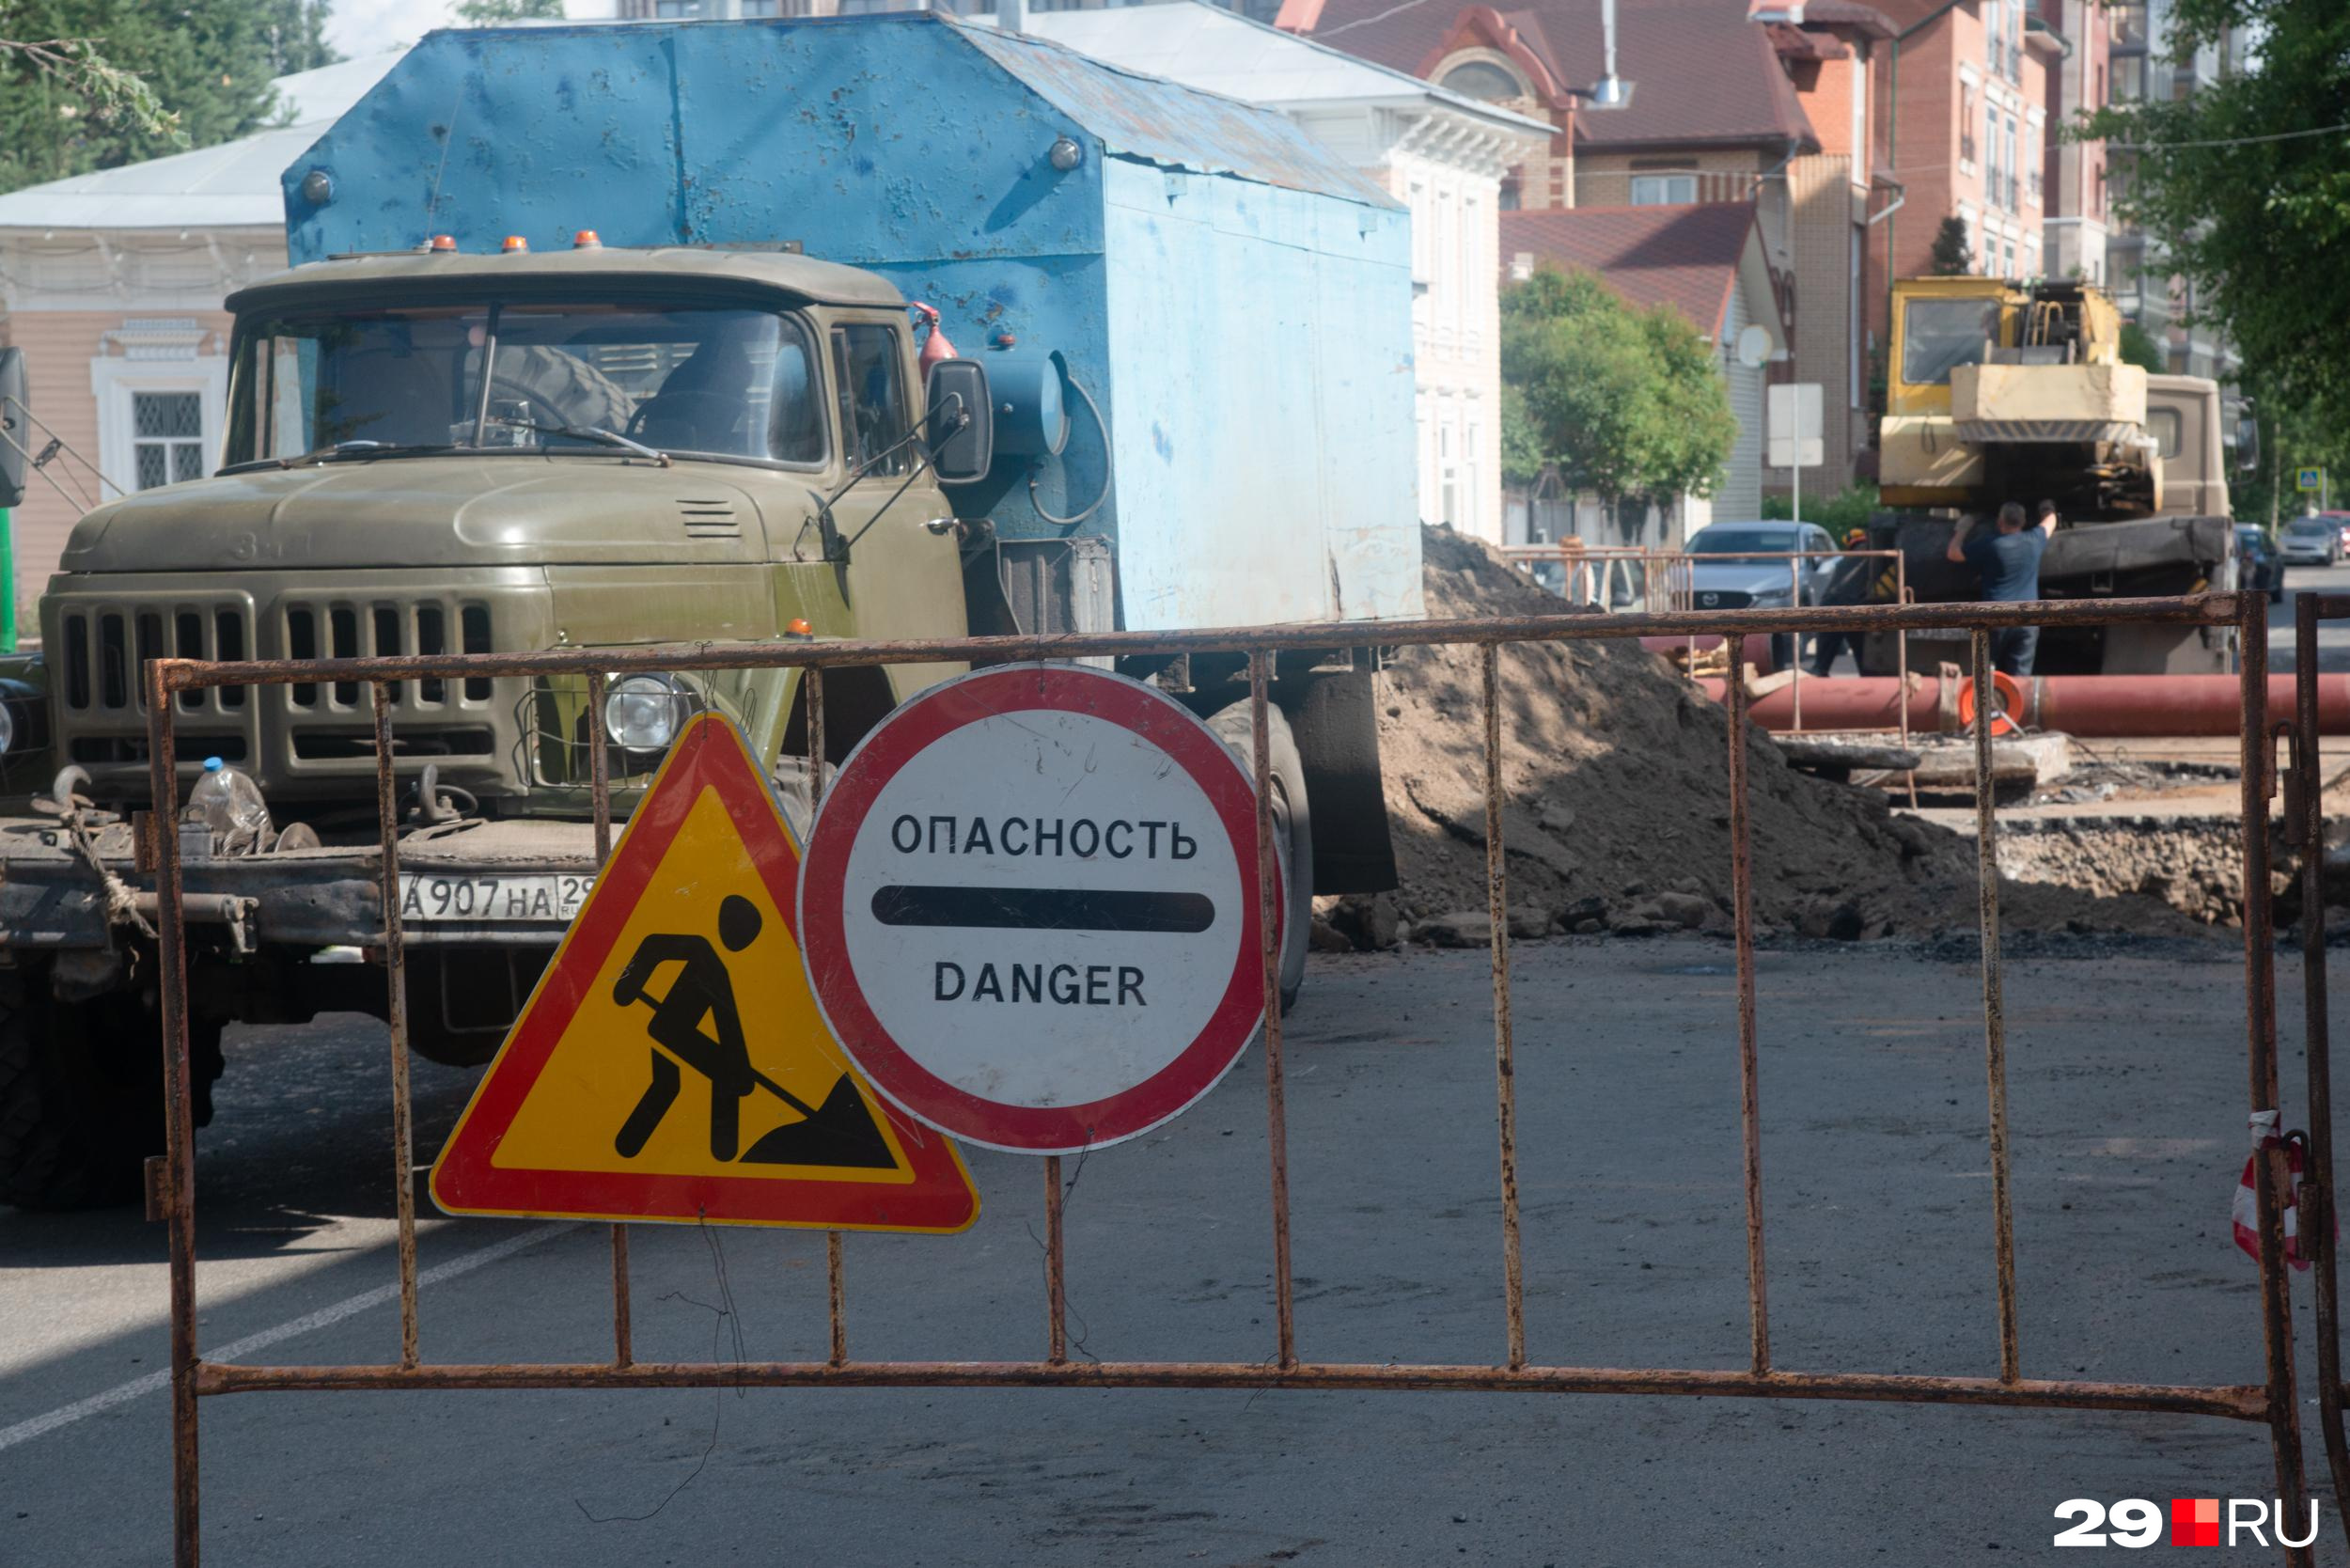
[2271, 1403]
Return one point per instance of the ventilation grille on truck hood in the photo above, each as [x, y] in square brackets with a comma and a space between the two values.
[709, 519]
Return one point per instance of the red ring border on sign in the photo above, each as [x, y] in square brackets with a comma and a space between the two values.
[823, 879]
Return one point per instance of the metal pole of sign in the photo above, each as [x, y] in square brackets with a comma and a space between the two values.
[1794, 597]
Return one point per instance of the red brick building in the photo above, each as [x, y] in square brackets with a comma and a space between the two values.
[1777, 113]
[1965, 121]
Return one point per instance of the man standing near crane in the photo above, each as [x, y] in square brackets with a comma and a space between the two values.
[2008, 561]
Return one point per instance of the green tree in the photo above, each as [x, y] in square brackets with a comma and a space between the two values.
[1848, 509]
[51, 79]
[491, 13]
[1521, 446]
[1627, 404]
[86, 83]
[2245, 184]
[1950, 257]
[2142, 349]
[297, 36]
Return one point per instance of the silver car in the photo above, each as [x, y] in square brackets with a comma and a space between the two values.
[2310, 542]
[1759, 585]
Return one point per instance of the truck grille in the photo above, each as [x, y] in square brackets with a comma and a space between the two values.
[355, 630]
[106, 646]
[313, 741]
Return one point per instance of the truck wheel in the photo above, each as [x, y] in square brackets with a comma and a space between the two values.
[82, 1095]
[791, 780]
[1293, 834]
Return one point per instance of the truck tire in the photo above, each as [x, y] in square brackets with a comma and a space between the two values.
[80, 1096]
[789, 776]
[1293, 824]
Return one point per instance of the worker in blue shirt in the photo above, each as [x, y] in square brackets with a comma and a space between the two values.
[2008, 561]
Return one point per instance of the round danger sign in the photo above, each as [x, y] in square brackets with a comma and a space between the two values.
[1029, 910]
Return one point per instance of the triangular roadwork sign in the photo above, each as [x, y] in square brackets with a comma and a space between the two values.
[671, 1063]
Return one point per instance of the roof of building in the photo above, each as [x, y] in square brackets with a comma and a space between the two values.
[1702, 73]
[234, 185]
[1689, 257]
[1902, 14]
[1868, 20]
[1209, 47]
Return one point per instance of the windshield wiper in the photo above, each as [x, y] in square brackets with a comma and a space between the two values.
[341, 450]
[589, 432]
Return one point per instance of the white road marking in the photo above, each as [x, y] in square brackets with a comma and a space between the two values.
[236, 1350]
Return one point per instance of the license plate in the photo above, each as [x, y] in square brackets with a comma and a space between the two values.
[547, 898]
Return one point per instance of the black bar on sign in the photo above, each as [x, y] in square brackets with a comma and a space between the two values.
[1043, 908]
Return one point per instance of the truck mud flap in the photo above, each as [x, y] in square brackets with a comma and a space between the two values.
[1334, 718]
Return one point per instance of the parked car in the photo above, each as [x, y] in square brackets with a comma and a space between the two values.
[1761, 584]
[2260, 570]
[1741, 585]
[2341, 519]
[2310, 541]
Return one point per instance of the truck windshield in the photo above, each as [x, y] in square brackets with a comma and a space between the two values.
[1937, 335]
[726, 383]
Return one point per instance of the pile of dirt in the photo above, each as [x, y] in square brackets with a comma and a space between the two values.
[1617, 805]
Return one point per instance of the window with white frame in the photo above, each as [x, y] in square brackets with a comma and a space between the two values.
[1475, 230]
[166, 438]
[1448, 248]
[1990, 155]
[677, 9]
[1423, 230]
[161, 408]
[1447, 468]
[1472, 445]
[1664, 190]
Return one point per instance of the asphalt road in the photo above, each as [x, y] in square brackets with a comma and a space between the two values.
[2333, 637]
[2127, 1089]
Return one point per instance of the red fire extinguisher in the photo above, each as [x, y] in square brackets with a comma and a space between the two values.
[935, 347]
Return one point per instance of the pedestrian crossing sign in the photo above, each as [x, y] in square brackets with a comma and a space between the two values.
[671, 1063]
[2311, 479]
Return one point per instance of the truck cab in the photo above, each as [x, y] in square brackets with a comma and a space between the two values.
[439, 453]
[449, 453]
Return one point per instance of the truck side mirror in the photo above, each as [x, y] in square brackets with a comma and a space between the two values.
[963, 421]
[2248, 443]
[16, 429]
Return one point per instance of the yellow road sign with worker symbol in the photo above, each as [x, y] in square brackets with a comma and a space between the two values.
[672, 1065]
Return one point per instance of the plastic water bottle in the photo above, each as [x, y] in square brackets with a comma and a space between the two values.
[229, 804]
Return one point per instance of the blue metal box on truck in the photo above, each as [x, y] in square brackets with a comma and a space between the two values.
[1226, 303]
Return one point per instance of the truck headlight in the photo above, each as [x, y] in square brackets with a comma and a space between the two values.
[644, 713]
